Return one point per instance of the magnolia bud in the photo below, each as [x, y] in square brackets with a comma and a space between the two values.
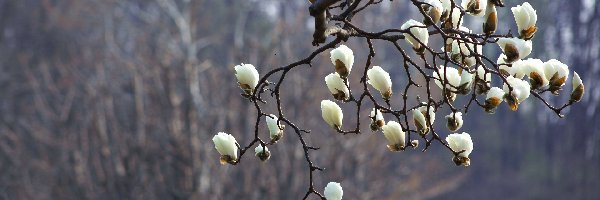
[520, 92]
[434, 11]
[535, 71]
[454, 121]
[337, 87]
[414, 143]
[420, 34]
[491, 20]
[343, 59]
[380, 80]
[275, 129]
[394, 135]
[474, 7]
[376, 119]
[493, 98]
[578, 88]
[262, 152]
[332, 114]
[515, 48]
[422, 122]
[557, 73]
[247, 77]
[482, 81]
[333, 191]
[466, 80]
[227, 147]
[462, 145]
[450, 76]
[526, 17]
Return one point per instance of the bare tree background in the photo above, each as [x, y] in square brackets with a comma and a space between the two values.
[119, 99]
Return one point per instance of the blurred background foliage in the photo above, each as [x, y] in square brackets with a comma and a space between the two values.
[119, 99]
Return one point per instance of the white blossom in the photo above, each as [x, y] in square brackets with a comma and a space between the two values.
[493, 98]
[336, 86]
[482, 80]
[461, 143]
[380, 80]
[576, 82]
[510, 69]
[518, 69]
[434, 10]
[377, 120]
[456, 18]
[262, 153]
[475, 7]
[556, 73]
[275, 129]
[226, 145]
[534, 69]
[394, 135]
[578, 88]
[343, 59]
[526, 17]
[468, 49]
[247, 77]
[420, 120]
[333, 191]
[491, 19]
[515, 48]
[466, 79]
[520, 92]
[449, 74]
[420, 34]
[454, 121]
[332, 114]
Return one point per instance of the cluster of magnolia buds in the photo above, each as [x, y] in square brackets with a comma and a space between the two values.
[470, 74]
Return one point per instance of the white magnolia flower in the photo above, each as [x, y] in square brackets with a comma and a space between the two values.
[434, 10]
[509, 69]
[482, 80]
[475, 7]
[449, 75]
[394, 135]
[333, 191]
[262, 153]
[343, 59]
[447, 5]
[381, 81]
[336, 86]
[491, 19]
[421, 121]
[275, 129]
[452, 77]
[469, 50]
[332, 114]
[515, 48]
[454, 121]
[518, 69]
[377, 120]
[520, 92]
[526, 17]
[420, 34]
[493, 98]
[466, 79]
[556, 73]
[578, 88]
[461, 143]
[226, 146]
[534, 69]
[247, 77]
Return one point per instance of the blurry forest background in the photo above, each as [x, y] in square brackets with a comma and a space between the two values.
[119, 99]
